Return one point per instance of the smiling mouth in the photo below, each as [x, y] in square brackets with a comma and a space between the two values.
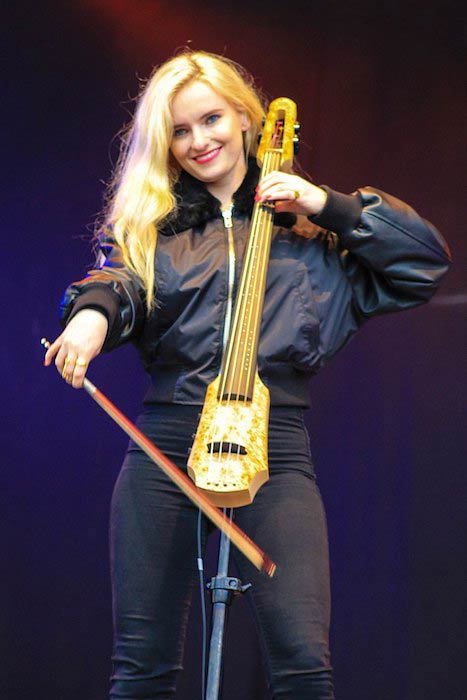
[207, 157]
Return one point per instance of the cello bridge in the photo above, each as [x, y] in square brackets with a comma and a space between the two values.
[230, 448]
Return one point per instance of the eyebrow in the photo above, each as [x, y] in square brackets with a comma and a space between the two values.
[203, 116]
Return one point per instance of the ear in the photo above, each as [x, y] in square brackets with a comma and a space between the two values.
[245, 122]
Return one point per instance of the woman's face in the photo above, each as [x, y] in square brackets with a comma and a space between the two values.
[207, 137]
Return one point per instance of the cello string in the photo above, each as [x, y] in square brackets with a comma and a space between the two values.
[236, 326]
[233, 370]
[252, 297]
[261, 249]
[249, 322]
[228, 374]
[233, 344]
[231, 381]
[251, 319]
[254, 294]
[242, 348]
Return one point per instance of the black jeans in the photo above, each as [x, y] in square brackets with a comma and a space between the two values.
[153, 542]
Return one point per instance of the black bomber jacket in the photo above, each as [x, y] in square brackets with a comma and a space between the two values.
[365, 254]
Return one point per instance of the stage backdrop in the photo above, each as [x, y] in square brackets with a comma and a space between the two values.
[381, 95]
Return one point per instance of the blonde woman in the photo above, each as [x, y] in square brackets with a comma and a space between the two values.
[187, 167]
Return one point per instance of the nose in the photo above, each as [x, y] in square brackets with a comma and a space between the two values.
[199, 139]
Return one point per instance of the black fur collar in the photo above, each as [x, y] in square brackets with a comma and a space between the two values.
[197, 206]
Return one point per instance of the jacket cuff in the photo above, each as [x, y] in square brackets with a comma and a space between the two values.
[341, 212]
[101, 299]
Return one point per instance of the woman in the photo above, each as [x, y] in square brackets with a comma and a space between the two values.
[187, 166]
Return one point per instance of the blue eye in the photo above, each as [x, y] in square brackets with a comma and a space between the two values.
[179, 132]
[212, 118]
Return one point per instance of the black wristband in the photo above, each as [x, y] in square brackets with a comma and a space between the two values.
[100, 299]
[341, 212]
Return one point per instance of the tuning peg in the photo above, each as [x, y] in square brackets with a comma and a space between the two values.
[296, 138]
[260, 132]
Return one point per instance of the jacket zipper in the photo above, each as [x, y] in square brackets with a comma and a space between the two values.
[228, 224]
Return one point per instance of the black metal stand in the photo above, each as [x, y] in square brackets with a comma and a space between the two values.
[223, 589]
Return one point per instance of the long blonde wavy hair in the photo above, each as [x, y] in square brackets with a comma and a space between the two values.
[141, 195]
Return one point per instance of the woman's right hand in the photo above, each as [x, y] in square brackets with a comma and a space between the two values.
[79, 343]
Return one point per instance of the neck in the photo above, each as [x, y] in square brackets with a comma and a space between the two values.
[224, 190]
[223, 194]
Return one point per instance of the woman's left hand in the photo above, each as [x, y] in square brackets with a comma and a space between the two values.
[291, 193]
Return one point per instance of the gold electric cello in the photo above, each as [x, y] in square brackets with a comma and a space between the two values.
[229, 457]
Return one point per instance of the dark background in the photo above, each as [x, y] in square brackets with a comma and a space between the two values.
[381, 95]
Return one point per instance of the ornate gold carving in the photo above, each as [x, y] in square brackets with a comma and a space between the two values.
[226, 428]
[284, 108]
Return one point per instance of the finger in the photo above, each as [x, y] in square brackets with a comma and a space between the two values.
[286, 193]
[68, 366]
[79, 373]
[279, 193]
[60, 358]
[280, 190]
[52, 350]
[285, 206]
[277, 177]
[273, 176]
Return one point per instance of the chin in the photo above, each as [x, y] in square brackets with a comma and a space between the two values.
[208, 175]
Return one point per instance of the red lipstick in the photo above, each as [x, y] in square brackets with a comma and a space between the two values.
[207, 157]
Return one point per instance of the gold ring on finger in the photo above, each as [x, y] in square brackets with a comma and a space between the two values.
[81, 362]
[296, 194]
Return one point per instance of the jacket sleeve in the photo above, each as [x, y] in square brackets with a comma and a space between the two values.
[113, 290]
[392, 257]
